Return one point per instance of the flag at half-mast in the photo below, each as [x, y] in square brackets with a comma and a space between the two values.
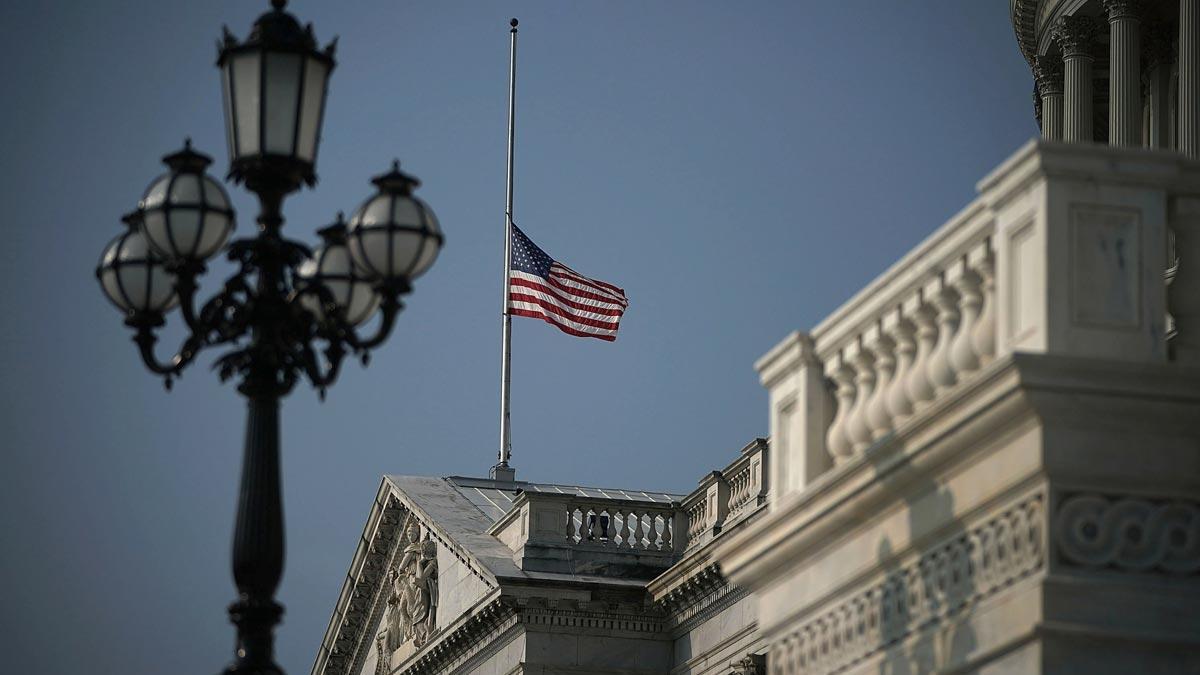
[540, 287]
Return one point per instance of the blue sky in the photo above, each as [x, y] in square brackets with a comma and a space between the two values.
[739, 168]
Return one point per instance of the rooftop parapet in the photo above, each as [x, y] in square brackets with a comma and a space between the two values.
[605, 536]
[1065, 251]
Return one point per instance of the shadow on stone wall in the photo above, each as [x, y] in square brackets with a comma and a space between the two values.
[920, 603]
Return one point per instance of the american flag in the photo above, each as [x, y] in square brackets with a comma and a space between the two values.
[542, 288]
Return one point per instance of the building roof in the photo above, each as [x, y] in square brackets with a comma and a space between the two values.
[494, 498]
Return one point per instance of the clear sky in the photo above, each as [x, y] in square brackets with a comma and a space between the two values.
[739, 168]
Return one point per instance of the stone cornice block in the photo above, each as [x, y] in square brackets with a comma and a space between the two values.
[793, 352]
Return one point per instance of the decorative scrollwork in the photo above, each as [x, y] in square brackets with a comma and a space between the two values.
[1129, 534]
[263, 301]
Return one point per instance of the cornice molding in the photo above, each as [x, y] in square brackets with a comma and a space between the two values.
[481, 632]
[700, 598]
[358, 608]
[489, 628]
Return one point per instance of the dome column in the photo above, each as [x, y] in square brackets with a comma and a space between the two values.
[1124, 78]
[1158, 58]
[1049, 73]
[1074, 35]
[1189, 78]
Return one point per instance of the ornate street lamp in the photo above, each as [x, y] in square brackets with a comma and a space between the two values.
[288, 312]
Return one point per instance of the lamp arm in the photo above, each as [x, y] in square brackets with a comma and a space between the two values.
[389, 309]
[145, 340]
[334, 355]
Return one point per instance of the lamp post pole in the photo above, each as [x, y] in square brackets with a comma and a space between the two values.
[258, 544]
[289, 312]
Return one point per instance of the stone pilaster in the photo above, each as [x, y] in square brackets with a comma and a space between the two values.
[1049, 73]
[1189, 78]
[1074, 35]
[1124, 79]
[1157, 57]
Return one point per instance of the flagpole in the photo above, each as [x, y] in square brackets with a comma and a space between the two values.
[501, 470]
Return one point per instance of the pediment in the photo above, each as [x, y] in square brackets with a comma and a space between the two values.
[423, 560]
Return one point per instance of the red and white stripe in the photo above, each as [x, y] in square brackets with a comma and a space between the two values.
[574, 303]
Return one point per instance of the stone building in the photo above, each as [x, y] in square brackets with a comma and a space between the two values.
[986, 461]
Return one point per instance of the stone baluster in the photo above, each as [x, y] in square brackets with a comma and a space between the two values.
[882, 348]
[1048, 71]
[983, 262]
[945, 300]
[902, 332]
[570, 524]
[1189, 78]
[668, 543]
[838, 440]
[864, 382]
[639, 531]
[964, 280]
[1074, 35]
[1124, 72]
[923, 315]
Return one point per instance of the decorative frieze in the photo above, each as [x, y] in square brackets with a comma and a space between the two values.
[1129, 534]
[940, 583]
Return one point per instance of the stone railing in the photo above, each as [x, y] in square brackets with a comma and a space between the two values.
[727, 496]
[1063, 252]
[559, 532]
[923, 327]
[619, 524]
[551, 532]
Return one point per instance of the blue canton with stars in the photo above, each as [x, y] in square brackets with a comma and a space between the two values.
[527, 257]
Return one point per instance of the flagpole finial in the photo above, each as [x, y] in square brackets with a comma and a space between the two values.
[513, 23]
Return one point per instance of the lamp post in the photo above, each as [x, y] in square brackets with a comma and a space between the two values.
[288, 312]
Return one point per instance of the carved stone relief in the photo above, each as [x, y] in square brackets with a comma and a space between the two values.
[1129, 534]
[411, 592]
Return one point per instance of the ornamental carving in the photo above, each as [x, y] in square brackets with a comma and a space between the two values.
[1123, 9]
[1129, 534]
[1074, 35]
[942, 582]
[1048, 71]
[411, 591]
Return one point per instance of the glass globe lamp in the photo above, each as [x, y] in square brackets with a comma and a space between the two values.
[331, 268]
[186, 215]
[394, 237]
[133, 276]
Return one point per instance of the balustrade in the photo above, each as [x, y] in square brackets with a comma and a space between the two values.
[918, 339]
[1023, 268]
[619, 525]
[697, 520]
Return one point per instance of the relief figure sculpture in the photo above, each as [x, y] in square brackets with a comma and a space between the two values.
[412, 592]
